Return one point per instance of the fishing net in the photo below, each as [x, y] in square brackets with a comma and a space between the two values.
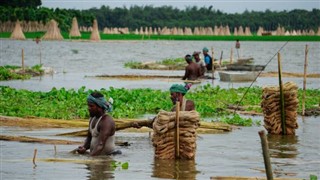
[164, 134]
[272, 112]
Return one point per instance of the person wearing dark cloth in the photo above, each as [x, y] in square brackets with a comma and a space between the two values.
[101, 132]
[207, 58]
[192, 71]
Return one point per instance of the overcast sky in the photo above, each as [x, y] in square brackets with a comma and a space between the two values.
[228, 6]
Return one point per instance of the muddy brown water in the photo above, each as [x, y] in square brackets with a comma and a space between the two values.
[237, 153]
[73, 62]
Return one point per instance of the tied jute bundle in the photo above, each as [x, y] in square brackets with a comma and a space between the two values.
[271, 108]
[164, 134]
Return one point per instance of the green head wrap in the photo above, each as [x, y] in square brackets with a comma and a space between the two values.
[179, 88]
[205, 49]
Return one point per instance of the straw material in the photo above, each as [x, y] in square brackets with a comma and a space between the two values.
[95, 36]
[53, 31]
[164, 133]
[271, 108]
[17, 32]
[74, 31]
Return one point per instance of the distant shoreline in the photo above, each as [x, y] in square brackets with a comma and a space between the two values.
[85, 36]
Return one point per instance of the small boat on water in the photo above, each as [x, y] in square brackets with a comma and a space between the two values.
[237, 76]
[245, 67]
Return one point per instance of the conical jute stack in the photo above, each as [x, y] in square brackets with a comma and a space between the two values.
[95, 36]
[53, 31]
[17, 32]
[74, 31]
[271, 108]
[164, 134]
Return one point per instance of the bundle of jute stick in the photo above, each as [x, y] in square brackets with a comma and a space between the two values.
[272, 111]
[164, 134]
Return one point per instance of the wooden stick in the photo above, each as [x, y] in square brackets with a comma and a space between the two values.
[266, 157]
[304, 80]
[213, 68]
[22, 60]
[40, 54]
[283, 115]
[55, 149]
[177, 144]
[220, 62]
[34, 157]
[231, 56]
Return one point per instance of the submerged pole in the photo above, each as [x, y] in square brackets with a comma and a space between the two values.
[283, 115]
[177, 141]
[213, 68]
[305, 80]
[34, 157]
[231, 56]
[22, 60]
[266, 157]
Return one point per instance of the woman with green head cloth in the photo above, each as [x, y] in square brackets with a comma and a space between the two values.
[177, 92]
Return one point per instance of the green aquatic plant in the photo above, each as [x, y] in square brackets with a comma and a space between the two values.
[75, 51]
[313, 177]
[236, 119]
[118, 164]
[132, 103]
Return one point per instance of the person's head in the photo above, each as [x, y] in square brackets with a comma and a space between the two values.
[177, 91]
[188, 58]
[196, 55]
[205, 50]
[97, 104]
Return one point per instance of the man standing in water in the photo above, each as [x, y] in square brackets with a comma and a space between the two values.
[193, 71]
[207, 59]
[200, 62]
[100, 139]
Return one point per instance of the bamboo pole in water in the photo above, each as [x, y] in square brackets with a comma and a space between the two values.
[177, 133]
[34, 157]
[22, 60]
[305, 80]
[220, 61]
[283, 116]
[231, 56]
[213, 68]
[266, 157]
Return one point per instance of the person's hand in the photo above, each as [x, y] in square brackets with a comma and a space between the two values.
[81, 150]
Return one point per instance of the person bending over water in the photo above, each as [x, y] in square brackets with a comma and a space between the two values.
[101, 132]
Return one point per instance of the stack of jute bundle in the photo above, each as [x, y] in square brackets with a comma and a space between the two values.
[53, 31]
[164, 128]
[272, 111]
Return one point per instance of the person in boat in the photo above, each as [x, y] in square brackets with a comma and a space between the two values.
[207, 58]
[101, 132]
[199, 61]
[177, 93]
[192, 71]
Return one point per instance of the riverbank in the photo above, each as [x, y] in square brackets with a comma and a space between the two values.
[85, 36]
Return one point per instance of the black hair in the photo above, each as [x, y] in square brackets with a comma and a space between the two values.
[96, 94]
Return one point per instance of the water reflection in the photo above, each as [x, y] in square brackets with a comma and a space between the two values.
[283, 146]
[100, 170]
[174, 169]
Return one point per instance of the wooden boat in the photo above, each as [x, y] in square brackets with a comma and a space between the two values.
[236, 76]
[245, 60]
[245, 67]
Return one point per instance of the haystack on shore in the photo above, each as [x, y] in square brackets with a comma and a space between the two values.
[53, 31]
[17, 32]
[74, 31]
[164, 134]
[95, 36]
[271, 108]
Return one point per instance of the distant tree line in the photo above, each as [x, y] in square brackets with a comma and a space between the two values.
[149, 16]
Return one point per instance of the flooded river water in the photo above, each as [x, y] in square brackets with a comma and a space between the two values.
[237, 153]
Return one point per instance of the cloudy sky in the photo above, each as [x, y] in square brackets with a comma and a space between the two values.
[228, 6]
